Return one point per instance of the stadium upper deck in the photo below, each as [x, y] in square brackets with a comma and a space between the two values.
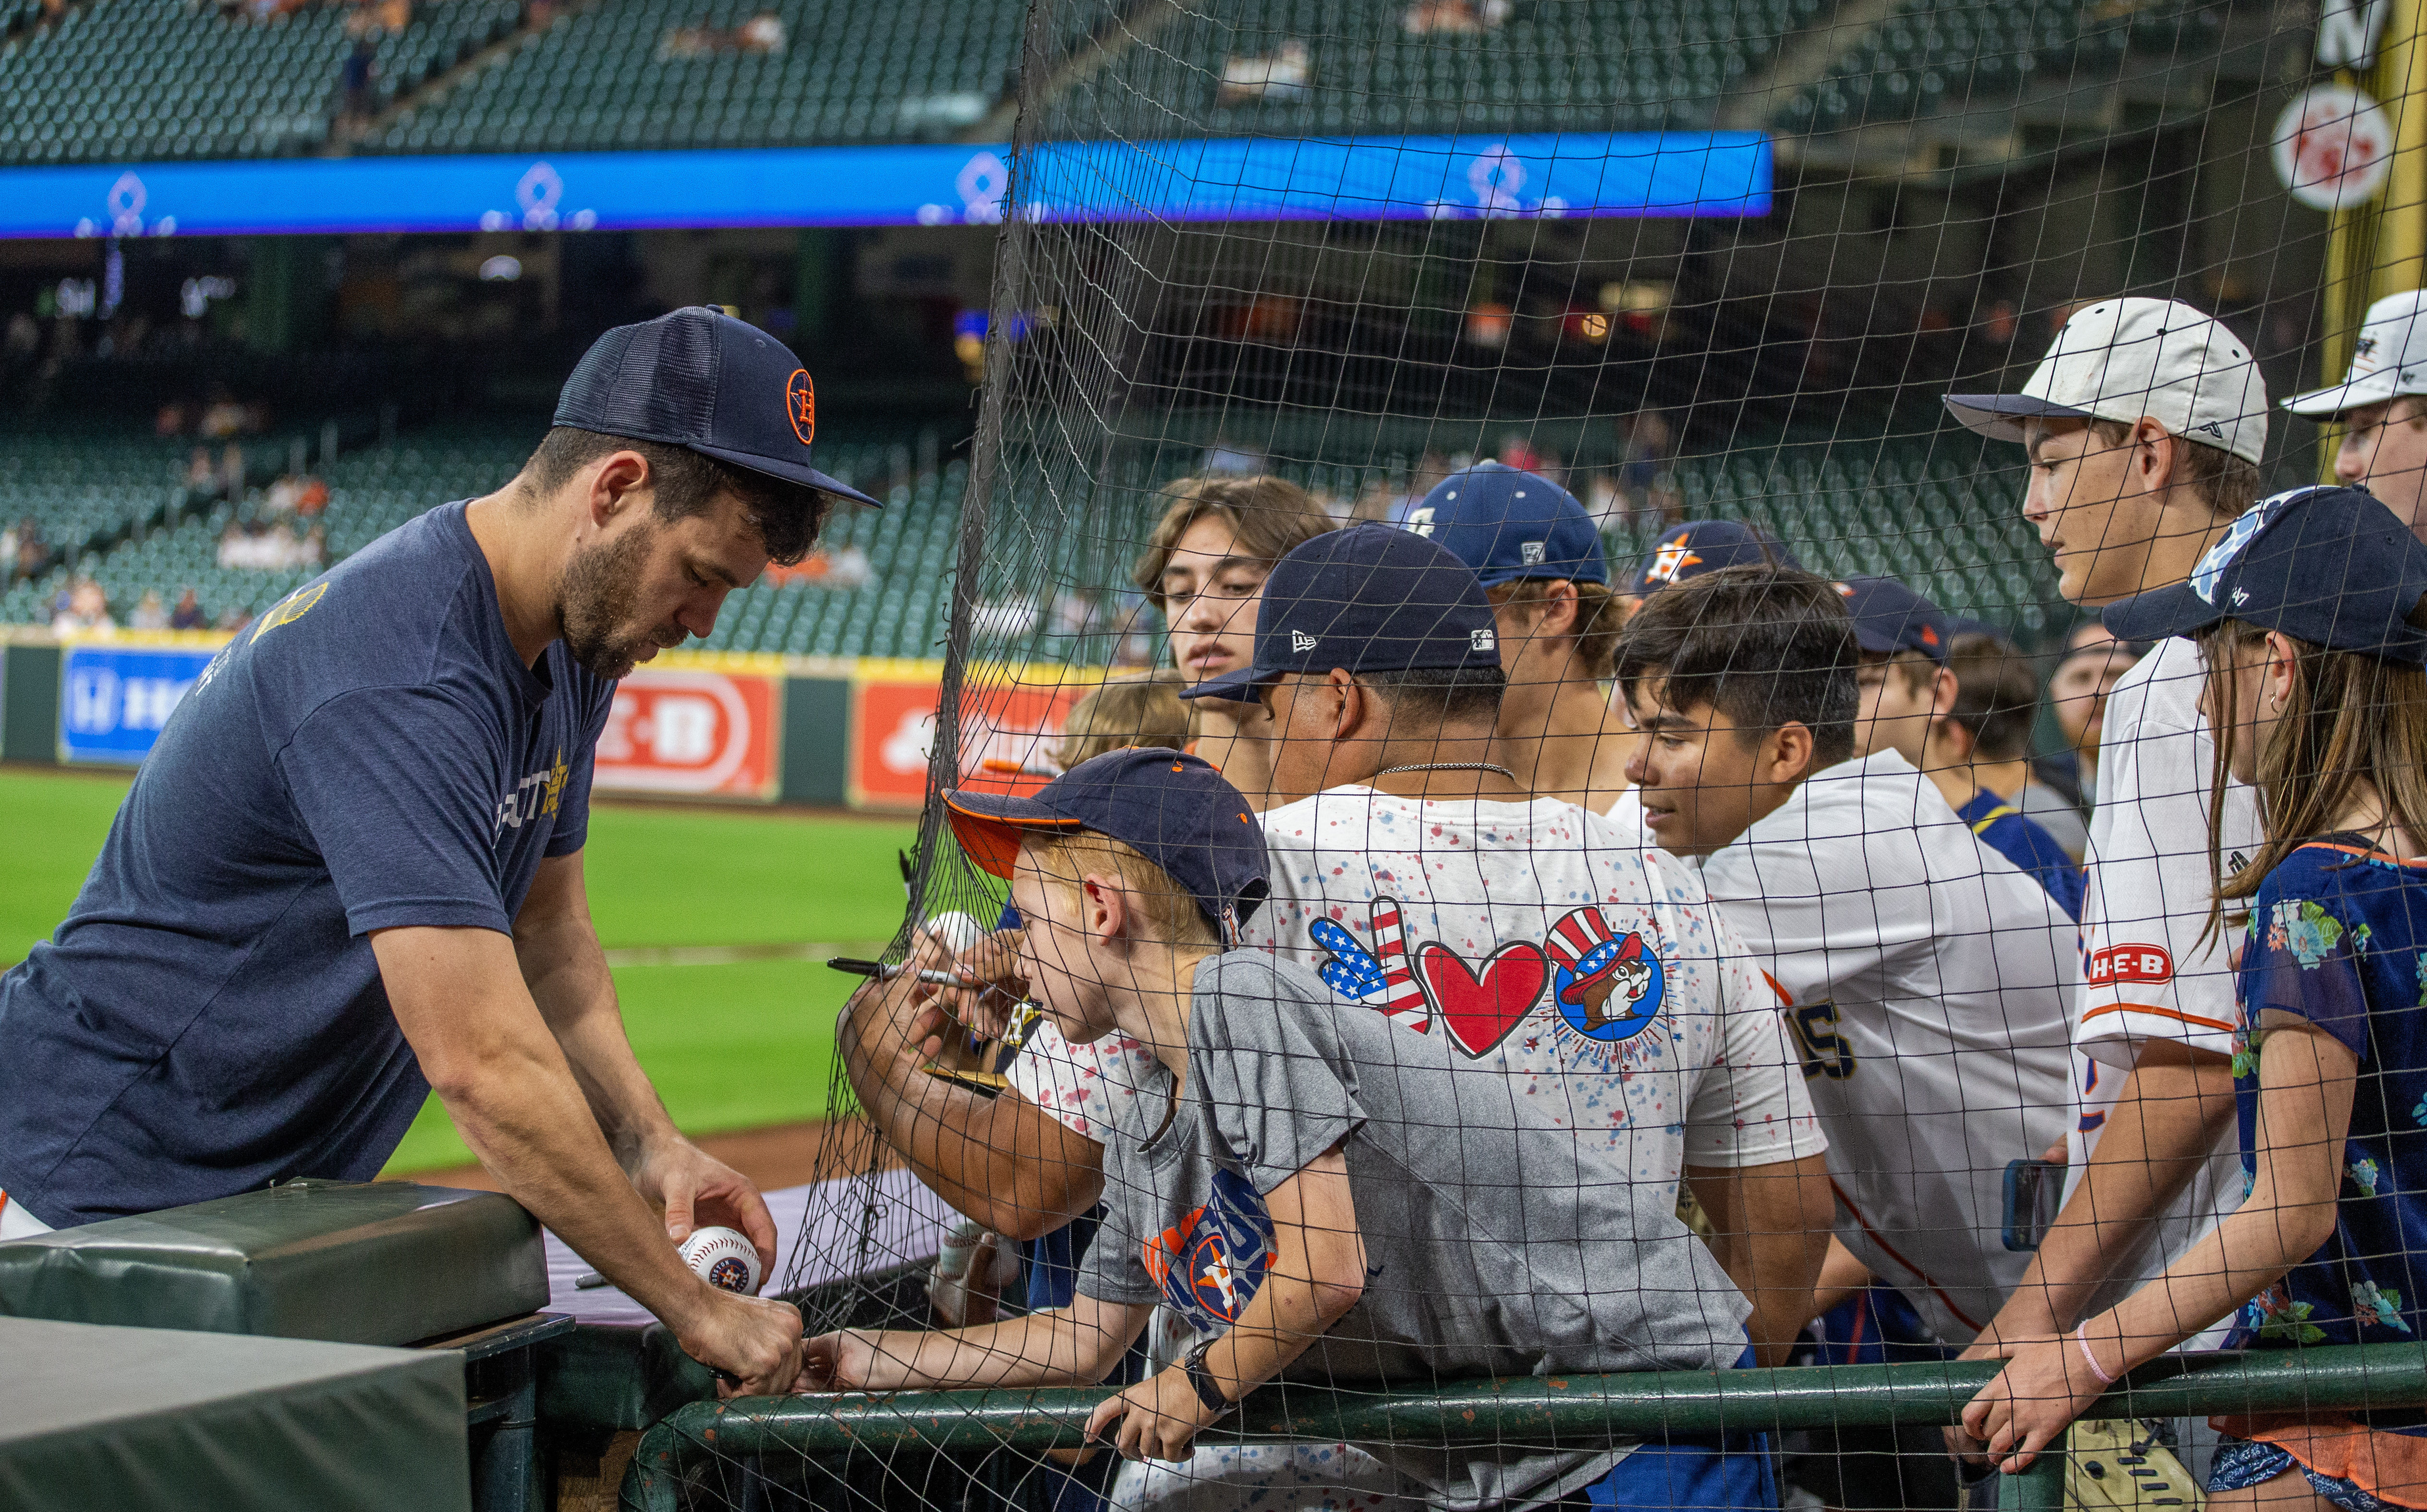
[138, 80]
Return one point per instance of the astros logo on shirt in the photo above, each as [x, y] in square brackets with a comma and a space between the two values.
[1210, 1262]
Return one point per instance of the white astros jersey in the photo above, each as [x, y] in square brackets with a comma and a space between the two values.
[1928, 980]
[2147, 974]
[1538, 939]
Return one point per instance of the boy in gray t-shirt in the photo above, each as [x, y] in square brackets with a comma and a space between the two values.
[1327, 1199]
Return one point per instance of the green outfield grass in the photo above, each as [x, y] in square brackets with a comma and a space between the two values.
[730, 1045]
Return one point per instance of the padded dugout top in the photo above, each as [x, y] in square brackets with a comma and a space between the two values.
[380, 1263]
[151, 1420]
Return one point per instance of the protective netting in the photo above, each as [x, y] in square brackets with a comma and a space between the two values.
[1513, 322]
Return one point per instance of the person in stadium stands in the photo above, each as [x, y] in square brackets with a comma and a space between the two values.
[350, 868]
[1436, 896]
[2382, 405]
[1911, 694]
[2094, 661]
[2144, 426]
[1299, 1208]
[1203, 567]
[1539, 558]
[2318, 701]
[1925, 977]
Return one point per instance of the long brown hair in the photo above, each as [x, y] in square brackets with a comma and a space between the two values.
[1271, 516]
[2351, 718]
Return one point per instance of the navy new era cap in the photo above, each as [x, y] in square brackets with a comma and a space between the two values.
[2331, 566]
[1507, 524]
[1698, 546]
[1370, 598]
[1174, 810]
[702, 379]
[1889, 617]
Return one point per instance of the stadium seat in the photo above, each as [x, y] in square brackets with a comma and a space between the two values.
[1928, 53]
[153, 70]
[601, 78]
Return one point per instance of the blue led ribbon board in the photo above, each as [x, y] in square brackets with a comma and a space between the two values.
[1245, 178]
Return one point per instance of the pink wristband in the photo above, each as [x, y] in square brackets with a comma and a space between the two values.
[2081, 1337]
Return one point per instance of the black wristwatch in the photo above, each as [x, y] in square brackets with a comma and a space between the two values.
[1201, 1378]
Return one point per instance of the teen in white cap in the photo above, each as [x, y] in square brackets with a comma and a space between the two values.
[2145, 425]
[2382, 405]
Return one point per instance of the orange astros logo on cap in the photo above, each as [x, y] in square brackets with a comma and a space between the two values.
[801, 405]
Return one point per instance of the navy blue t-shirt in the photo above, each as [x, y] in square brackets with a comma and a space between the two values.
[370, 752]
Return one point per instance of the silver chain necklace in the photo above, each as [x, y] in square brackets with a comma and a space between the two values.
[1449, 766]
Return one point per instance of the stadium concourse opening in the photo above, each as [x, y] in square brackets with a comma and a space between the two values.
[1709, 555]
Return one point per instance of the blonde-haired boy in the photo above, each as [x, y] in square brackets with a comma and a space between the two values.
[1328, 1198]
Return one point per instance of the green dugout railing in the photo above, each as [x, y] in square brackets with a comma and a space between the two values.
[1569, 1410]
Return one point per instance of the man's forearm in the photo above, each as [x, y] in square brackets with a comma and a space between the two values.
[1002, 1160]
[1770, 1230]
[517, 1105]
[566, 971]
[2164, 1125]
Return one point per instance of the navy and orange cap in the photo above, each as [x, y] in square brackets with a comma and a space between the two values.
[699, 379]
[2332, 566]
[1698, 546]
[1889, 617]
[1174, 810]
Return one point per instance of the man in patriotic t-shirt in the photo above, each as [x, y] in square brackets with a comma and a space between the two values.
[1423, 886]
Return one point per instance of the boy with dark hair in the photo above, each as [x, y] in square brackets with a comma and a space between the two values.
[1301, 1207]
[1925, 978]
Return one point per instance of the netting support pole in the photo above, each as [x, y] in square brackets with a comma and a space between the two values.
[1569, 1410]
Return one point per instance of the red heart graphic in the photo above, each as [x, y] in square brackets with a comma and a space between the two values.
[1480, 1011]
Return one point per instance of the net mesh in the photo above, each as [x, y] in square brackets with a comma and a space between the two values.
[1274, 269]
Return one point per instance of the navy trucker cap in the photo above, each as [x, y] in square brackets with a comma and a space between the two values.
[1507, 523]
[1174, 810]
[1889, 617]
[1370, 598]
[2331, 566]
[1698, 546]
[699, 379]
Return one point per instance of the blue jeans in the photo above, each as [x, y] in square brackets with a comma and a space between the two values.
[1697, 1473]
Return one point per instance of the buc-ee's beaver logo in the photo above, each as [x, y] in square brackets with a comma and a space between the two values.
[801, 405]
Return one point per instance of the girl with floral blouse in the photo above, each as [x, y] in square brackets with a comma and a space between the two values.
[2308, 616]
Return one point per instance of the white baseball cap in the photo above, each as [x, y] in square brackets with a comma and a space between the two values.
[2389, 358]
[2122, 359]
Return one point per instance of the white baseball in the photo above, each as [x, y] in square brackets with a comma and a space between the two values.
[956, 932]
[722, 1258]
